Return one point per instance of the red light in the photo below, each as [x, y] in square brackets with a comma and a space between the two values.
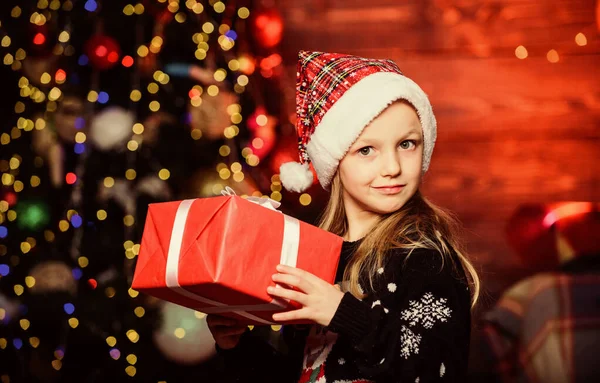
[71, 178]
[101, 51]
[10, 198]
[113, 57]
[60, 75]
[193, 93]
[39, 39]
[127, 61]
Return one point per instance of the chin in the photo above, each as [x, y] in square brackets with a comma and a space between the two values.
[388, 206]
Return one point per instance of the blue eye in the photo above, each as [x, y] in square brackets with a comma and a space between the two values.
[407, 144]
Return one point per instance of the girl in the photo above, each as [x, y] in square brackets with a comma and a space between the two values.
[402, 313]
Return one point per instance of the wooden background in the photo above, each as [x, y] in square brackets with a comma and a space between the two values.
[510, 130]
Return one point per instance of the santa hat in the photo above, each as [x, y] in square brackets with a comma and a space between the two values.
[337, 96]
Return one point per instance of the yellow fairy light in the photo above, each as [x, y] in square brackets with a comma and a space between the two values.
[224, 150]
[179, 333]
[220, 74]
[63, 225]
[221, 166]
[18, 186]
[23, 82]
[83, 261]
[18, 289]
[131, 359]
[243, 13]
[42, 4]
[73, 322]
[11, 215]
[92, 96]
[8, 59]
[219, 7]
[5, 42]
[49, 235]
[3, 206]
[200, 55]
[128, 220]
[80, 137]
[64, 37]
[128, 10]
[257, 143]
[136, 249]
[2, 313]
[236, 167]
[138, 128]
[3, 343]
[234, 65]
[34, 341]
[24, 323]
[238, 177]
[135, 95]
[109, 182]
[208, 27]
[25, 247]
[54, 94]
[40, 124]
[16, 12]
[128, 244]
[242, 80]
[46, 78]
[101, 215]
[236, 118]
[110, 292]
[139, 8]
[276, 196]
[580, 39]
[132, 145]
[139, 311]
[180, 17]
[133, 293]
[111, 341]
[142, 51]
[224, 174]
[133, 336]
[154, 106]
[305, 199]
[130, 370]
[521, 52]
[30, 281]
[152, 88]
[56, 364]
[246, 152]
[276, 187]
[198, 8]
[55, 5]
[130, 174]
[14, 163]
[164, 174]
[173, 6]
[252, 160]
[196, 133]
[51, 106]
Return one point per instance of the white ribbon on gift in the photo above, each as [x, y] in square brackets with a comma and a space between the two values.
[289, 256]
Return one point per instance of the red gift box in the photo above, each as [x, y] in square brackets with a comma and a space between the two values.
[217, 255]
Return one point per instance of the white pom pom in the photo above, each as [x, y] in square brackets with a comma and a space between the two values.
[295, 176]
[111, 128]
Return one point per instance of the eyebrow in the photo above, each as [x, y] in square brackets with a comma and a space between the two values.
[367, 140]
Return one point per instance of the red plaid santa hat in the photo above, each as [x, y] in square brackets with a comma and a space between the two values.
[337, 96]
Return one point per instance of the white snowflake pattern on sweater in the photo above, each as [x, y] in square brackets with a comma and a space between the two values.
[410, 342]
[427, 311]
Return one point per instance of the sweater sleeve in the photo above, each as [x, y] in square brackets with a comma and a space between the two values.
[417, 327]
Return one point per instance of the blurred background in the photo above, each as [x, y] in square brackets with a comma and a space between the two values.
[110, 105]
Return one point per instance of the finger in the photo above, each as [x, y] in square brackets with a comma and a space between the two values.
[293, 295]
[338, 287]
[303, 274]
[302, 313]
[294, 281]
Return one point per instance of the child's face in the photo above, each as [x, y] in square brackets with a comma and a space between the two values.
[387, 154]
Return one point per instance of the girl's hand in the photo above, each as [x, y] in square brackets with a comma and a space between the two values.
[318, 298]
[225, 330]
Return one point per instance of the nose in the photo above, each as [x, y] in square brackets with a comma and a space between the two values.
[391, 166]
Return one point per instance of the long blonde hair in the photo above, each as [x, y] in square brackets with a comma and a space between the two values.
[418, 224]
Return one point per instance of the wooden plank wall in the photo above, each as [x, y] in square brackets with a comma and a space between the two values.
[511, 130]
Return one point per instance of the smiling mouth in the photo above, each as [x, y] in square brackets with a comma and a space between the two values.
[390, 189]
